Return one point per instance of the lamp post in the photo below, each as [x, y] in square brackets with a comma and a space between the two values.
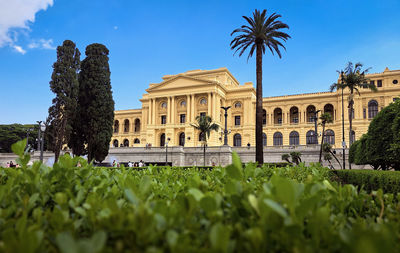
[343, 139]
[316, 126]
[226, 108]
[42, 128]
[166, 151]
[27, 137]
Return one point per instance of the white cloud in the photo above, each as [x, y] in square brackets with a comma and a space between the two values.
[19, 49]
[42, 43]
[15, 18]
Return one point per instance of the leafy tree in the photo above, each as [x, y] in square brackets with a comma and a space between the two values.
[353, 78]
[260, 33]
[64, 84]
[10, 134]
[325, 119]
[96, 104]
[205, 125]
[381, 137]
[379, 147]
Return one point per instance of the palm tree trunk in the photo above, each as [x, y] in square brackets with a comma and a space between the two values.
[322, 143]
[204, 154]
[337, 160]
[350, 122]
[259, 112]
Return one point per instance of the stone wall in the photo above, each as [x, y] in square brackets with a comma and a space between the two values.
[187, 156]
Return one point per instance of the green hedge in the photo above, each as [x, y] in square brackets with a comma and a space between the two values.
[371, 180]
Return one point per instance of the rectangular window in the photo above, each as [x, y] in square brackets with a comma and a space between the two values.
[379, 83]
[395, 99]
[237, 120]
[372, 83]
[202, 114]
[365, 113]
[163, 119]
[183, 118]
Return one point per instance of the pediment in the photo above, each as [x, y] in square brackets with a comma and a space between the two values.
[179, 82]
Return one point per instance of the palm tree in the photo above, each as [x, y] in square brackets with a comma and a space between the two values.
[204, 125]
[325, 118]
[353, 78]
[259, 33]
[327, 149]
[296, 157]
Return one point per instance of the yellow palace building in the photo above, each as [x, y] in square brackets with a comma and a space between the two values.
[169, 108]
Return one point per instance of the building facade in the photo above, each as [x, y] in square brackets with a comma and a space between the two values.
[171, 106]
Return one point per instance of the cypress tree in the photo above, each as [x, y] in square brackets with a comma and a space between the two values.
[96, 104]
[64, 84]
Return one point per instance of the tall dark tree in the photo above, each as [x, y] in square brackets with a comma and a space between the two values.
[64, 84]
[96, 104]
[259, 33]
[353, 78]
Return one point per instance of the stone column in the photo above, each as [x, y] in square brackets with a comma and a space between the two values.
[192, 108]
[153, 115]
[188, 108]
[168, 110]
[214, 109]
[209, 104]
[149, 112]
[173, 110]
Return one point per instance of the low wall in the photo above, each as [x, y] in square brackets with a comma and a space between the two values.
[193, 156]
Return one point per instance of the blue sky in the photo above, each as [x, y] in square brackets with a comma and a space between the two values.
[149, 39]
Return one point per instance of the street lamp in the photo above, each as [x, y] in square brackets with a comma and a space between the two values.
[226, 108]
[316, 126]
[27, 137]
[42, 128]
[166, 151]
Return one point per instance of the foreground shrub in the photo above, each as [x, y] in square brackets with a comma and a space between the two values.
[231, 209]
[371, 180]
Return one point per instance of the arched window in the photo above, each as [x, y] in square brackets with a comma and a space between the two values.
[182, 139]
[238, 105]
[203, 101]
[310, 113]
[163, 105]
[136, 141]
[162, 140]
[372, 109]
[278, 139]
[115, 143]
[126, 143]
[126, 125]
[329, 137]
[264, 140]
[116, 126]
[237, 140]
[294, 115]
[311, 138]
[183, 103]
[278, 116]
[328, 108]
[264, 117]
[137, 125]
[294, 138]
